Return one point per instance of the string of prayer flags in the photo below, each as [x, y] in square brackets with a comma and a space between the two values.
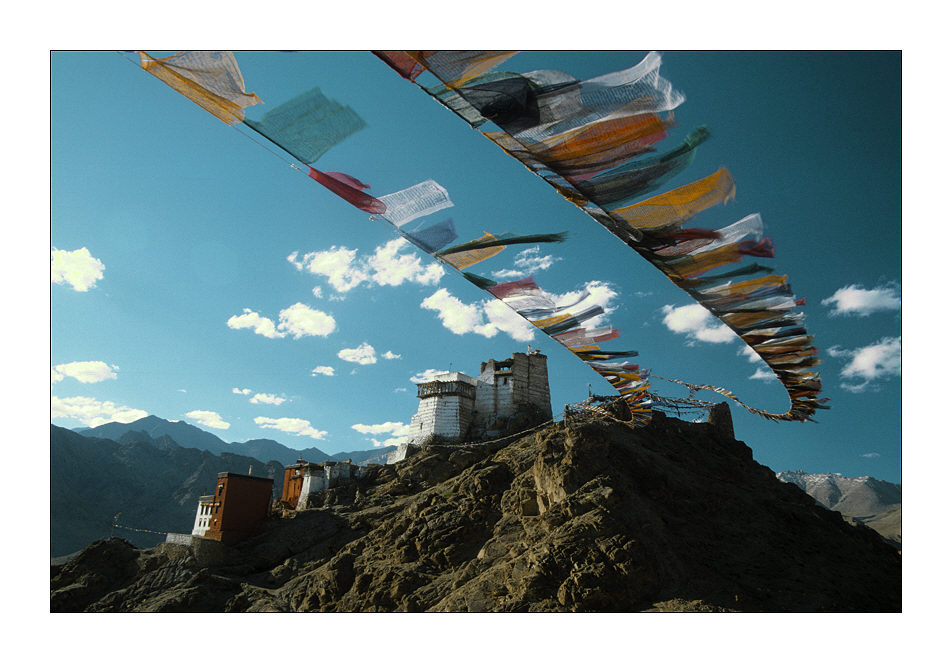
[310, 124]
[803, 404]
[211, 79]
[585, 138]
[305, 127]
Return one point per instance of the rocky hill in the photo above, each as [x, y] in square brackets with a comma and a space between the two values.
[877, 504]
[581, 515]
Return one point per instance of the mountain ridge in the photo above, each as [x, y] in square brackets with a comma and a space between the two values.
[584, 514]
[192, 437]
[874, 502]
[154, 484]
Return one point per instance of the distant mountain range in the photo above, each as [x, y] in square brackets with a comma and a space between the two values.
[152, 482]
[192, 437]
[153, 471]
[875, 503]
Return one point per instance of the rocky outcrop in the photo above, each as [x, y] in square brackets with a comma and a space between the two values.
[581, 515]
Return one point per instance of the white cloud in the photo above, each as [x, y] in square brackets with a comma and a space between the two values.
[882, 359]
[91, 412]
[763, 374]
[267, 399]
[77, 269]
[86, 372]
[392, 441]
[528, 261]
[391, 267]
[597, 293]
[398, 432]
[490, 317]
[391, 427]
[508, 274]
[298, 320]
[697, 322]
[856, 300]
[362, 354]
[456, 316]
[252, 320]
[318, 293]
[872, 454]
[208, 418]
[485, 318]
[391, 264]
[748, 352]
[322, 370]
[507, 321]
[242, 392]
[300, 427]
[336, 264]
[398, 390]
[427, 375]
[301, 320]
[390, 355]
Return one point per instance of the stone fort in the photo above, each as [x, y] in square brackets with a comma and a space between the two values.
[508, 396]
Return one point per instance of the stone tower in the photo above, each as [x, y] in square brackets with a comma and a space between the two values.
[445, 411]
[511, 395]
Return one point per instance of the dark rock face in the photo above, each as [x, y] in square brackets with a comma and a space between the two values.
[582, 515]
[877, 504]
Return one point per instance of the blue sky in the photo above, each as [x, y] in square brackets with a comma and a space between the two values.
[199, 277]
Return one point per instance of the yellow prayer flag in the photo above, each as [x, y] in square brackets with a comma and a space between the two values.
[209, 78]
[465, 259]
[678, 205]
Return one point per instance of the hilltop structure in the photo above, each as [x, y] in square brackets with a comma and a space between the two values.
[240, 505]
[304, 479]
[508, 396]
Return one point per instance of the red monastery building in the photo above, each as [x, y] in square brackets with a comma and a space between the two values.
[240, 505]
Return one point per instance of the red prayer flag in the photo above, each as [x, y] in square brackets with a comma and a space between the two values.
[348, 188]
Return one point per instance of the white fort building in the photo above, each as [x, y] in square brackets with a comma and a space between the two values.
[507, 397]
